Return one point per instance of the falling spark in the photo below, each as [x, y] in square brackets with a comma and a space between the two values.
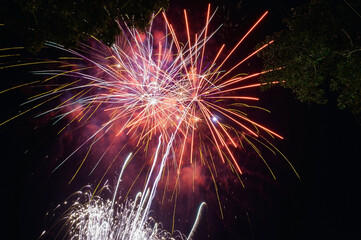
[94, 218]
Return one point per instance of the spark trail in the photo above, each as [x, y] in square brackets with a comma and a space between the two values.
[93, 218]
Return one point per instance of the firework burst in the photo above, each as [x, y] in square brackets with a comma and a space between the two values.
[151, 83]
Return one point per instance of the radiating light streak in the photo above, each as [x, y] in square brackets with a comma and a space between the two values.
[196, 222]
[144, 87]
[94, 218]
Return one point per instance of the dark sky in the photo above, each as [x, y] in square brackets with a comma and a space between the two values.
[322, 142]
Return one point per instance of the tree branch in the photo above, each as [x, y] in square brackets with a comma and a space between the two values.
[348, 36]
[352, 8]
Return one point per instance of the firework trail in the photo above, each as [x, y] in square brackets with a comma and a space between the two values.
[149, 84]
[93, 218]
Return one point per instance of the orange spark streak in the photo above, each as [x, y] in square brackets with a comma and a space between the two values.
[205, 37]
[244, 37]
[224, 143]
[235, 97]
[244, 118]
[188, 34]
[215, 108]
[245, 59]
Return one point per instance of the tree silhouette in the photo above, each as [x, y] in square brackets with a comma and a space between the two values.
[68, 21]
[318, 56]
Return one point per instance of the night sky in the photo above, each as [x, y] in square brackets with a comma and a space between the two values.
[321, 141]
